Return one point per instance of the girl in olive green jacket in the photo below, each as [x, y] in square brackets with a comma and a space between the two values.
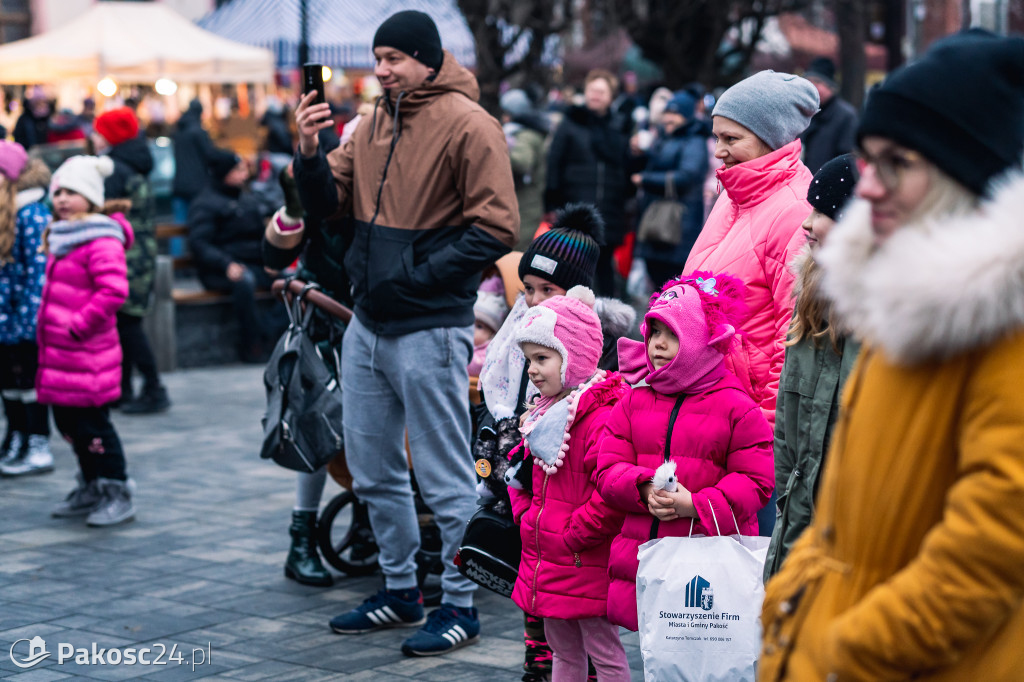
[818, 360]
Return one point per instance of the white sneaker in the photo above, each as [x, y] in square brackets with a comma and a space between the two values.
[36, 459]
[14, 448]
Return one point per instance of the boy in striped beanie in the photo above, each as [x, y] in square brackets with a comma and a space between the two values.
[565, 255]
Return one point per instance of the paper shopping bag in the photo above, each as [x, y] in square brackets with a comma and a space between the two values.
[699, 607]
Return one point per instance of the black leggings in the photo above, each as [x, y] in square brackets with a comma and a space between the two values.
[94, 440]
[18, 365]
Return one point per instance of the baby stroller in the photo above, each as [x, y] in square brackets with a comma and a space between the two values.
[343, 531]
[347, 543]
[344, 534]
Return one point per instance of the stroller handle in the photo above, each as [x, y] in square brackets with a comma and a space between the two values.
[296, 287]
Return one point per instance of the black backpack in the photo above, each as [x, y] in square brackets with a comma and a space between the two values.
[302, 428]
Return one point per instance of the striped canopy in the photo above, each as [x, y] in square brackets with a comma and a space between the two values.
[340, 31]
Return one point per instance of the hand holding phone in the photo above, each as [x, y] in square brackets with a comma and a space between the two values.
[313, 80]
[313, 114]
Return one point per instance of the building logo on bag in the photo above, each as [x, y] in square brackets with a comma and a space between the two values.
[699, 594]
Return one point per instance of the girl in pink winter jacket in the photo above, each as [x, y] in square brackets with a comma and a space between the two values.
[717, 435]
[79, 352]
[566, 527]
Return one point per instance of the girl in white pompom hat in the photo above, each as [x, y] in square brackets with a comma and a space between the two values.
[79, 351]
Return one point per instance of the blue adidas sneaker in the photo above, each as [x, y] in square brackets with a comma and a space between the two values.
[448, 628]
[383, 610]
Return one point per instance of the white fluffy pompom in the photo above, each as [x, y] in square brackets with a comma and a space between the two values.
[105, 166]
[665, 477]
[582, 293]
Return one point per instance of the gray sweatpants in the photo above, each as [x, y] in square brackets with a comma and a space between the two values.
[416, 382]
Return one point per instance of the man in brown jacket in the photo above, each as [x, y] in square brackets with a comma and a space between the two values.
[427, 180]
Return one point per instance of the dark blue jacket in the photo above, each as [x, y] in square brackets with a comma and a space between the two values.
[684, 155]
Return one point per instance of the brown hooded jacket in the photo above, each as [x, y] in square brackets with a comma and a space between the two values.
[428, 182]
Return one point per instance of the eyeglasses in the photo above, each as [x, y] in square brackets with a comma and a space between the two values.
[889, 166]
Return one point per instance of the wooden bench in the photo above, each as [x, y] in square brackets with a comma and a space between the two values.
[188, 325]
[182, 263]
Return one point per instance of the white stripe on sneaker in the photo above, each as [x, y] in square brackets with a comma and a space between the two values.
[374, 618]
[391, 615]
[462, 633]
[449, 636]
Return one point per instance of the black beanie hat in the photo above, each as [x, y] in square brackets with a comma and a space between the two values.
[221, 162]
[823, 69]
[566, 255]
[833, 185]
[961, 105]
[415, 34]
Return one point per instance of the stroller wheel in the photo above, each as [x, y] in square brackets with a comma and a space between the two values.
[345, 536]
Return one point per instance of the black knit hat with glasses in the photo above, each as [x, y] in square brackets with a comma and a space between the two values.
[961, 106]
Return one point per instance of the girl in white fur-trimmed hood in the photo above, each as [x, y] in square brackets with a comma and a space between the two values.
[912, 565]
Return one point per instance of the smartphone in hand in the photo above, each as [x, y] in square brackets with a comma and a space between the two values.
[313, 79]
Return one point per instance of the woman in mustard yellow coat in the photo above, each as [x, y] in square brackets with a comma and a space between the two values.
[913, 567]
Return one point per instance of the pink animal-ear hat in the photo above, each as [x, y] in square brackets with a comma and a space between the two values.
[703, 310]
[568, 325]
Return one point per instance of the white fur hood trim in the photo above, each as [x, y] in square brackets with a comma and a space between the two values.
[934, 289]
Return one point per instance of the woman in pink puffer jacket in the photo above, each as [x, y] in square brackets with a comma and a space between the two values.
[753, 231]
[79, 351]
[720, 440]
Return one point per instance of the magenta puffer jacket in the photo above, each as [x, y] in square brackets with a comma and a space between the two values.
[722, 446]
[753, 233]
[565, 526]
[79, 349]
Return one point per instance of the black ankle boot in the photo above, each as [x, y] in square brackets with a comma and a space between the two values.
[153, 399]
[303, 564]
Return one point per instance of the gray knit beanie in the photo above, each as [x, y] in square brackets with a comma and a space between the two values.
[515, 103]
[774, 106]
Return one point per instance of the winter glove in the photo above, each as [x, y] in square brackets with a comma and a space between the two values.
[292, 204]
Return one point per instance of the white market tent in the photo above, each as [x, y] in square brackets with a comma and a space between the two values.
[132, 42]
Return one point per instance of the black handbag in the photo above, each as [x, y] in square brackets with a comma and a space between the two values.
[490, 551]
[302, 427]
[662, 221]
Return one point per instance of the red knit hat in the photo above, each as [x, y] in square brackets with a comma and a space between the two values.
[117, 125]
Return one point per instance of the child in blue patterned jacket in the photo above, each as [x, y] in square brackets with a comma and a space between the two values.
[23, 217]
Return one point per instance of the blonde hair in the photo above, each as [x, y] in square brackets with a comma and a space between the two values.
[8, 218]
[945, 197]
[812, 314]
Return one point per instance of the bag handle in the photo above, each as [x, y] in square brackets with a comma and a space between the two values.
[670, 185]
[309, 308]
[667, 453]
[735, 523]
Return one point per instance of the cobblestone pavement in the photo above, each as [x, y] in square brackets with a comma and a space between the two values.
[201, 567]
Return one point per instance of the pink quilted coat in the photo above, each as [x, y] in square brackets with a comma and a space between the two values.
[753, 233]
[722, 447]
[565, 526]
[83, 291]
